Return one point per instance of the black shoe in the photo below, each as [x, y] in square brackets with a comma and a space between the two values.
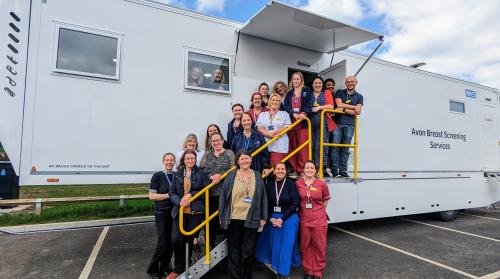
[325, 173]
[344, 175]
[155, 276]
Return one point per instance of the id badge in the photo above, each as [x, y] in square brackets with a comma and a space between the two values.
[315, 104]
[309, 205]
[277, 209]
[296, 110]
[247, 200]
[270, 128]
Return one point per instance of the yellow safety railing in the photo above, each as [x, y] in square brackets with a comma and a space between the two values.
[208, 217]
[323, 144]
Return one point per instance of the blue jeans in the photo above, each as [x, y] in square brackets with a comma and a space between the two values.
[340, 155]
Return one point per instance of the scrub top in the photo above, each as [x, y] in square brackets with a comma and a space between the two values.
[315, 194]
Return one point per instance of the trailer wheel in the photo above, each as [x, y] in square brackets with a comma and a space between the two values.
[446, 216]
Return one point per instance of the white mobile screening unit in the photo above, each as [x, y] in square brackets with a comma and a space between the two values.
[95, 92]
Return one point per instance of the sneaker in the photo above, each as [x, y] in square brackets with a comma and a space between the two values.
[325, 173]
[344, 175]
[172, 275]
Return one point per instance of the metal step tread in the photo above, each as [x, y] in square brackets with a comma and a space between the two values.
[198, 269]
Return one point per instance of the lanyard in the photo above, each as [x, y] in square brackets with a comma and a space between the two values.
[246, 183]
[187, 183]
[256, 115]
[278, 194]
[168, 179]
[271, 118]
[246, 143]
[308, 191]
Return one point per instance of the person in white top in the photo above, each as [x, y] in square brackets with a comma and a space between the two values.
[191, 142]
[270, 124]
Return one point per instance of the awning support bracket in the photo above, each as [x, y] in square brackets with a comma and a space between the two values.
[236, 52]
[381, 39]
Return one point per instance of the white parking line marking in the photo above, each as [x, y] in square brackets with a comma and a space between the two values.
[479, 216]
[90, 262]
[491, 276]
[408, 253]
[451, 230]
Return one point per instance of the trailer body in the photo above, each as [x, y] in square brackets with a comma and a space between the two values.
[427, 142]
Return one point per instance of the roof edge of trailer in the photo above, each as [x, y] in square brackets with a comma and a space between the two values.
[184, 11]
[281, 22]
[416, 70]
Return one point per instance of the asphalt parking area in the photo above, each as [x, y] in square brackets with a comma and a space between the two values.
[407, 247]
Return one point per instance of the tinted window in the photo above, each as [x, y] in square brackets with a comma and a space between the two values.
[457, 106]
[88, 53]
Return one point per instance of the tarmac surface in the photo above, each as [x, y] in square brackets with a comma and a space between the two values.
[415, 246]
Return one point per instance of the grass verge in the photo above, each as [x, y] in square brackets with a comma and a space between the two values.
[81, 211]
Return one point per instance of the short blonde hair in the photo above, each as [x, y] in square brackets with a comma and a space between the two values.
[275, 95]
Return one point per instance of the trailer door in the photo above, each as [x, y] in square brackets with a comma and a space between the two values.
[14, 23]
[489, 135]
[336, 72]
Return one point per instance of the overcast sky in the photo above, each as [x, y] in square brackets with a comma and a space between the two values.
[458, 38]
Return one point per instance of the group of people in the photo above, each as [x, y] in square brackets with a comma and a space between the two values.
[292, 215]
[196, 78]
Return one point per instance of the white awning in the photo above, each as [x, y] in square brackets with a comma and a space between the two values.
[288, 25]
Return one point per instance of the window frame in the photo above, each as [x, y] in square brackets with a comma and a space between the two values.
[456, 101]
[208, 53]
[93, 31]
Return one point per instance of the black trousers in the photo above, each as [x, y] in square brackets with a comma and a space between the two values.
[214, 223]
[241, 245]
[160, 263]
[179, 240]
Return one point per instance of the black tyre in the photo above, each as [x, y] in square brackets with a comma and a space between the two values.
[446, 216]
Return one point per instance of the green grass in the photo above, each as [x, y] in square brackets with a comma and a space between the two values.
[81, 211]
[61, 191]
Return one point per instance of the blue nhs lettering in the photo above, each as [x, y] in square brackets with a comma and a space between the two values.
[470, 93]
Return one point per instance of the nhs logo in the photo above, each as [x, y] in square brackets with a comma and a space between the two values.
[470, 93]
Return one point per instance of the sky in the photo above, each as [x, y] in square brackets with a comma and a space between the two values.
[457, 38]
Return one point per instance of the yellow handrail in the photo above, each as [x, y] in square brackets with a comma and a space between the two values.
[322, 144]
[205, 190]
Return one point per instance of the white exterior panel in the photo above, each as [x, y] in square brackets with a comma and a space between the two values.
[89, 130]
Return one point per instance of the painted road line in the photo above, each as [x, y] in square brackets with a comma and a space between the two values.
[491, 276]
[407, 253]
[90, 262]
[451, 230]
[479, 216]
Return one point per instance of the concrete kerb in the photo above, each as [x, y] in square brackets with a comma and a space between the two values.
[75, 225]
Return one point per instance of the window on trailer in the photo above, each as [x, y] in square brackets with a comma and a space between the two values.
[456, 106]
[86, 53]
[207, 72]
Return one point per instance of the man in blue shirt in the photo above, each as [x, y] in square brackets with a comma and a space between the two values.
[351, 102]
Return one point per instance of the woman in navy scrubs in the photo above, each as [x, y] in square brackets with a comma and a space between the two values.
[252, 140]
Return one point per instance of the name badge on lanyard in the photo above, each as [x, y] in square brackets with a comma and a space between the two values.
[247, 200]
[308, 194]
[277, 208]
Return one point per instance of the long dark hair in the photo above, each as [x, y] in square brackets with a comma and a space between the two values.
[182, 166]
[207, 138]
